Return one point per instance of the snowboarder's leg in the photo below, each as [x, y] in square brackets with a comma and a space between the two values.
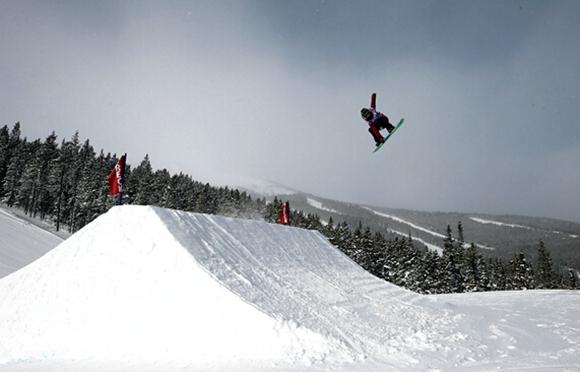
[385, 123]
[376, 135]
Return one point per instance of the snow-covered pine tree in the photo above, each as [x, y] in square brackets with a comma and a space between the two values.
[364, 253]
[59, 178]
[89, 186]
[272, 211]
[48, 155]
[452, 278]
[4, 155]
[375, 258]
[328, 230]
[472, 274]
[14, 173]
[26, 193]
[430, 266]
[520, 274]
[498, 275]
[571, 280]
[355, 248]
[9, 142]
[343, 237]
[140, 183]
[545, 276]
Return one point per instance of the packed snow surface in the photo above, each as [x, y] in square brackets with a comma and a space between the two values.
[149, 289]
[21, 242]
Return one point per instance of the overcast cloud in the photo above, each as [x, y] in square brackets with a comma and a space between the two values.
[272, 90]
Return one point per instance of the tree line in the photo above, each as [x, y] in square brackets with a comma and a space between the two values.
[459, 268]
[66, 183]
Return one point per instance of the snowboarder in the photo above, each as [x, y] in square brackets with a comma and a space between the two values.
[376, 121]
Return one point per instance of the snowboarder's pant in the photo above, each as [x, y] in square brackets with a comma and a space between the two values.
[375, 133]
[380, 123]
[383, 122]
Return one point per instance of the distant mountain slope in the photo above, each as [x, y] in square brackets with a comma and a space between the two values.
[22, 242]
[494, 235]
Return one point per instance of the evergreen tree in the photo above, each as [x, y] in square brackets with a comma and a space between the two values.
[544, 274]
[520, 273]
[4, 155]
[452, 280]
[430, 266]
[475, 272]
[498, 275]
[460, 236]
[328, 231]
[343, 237]
[47, 156]
[272, 211]
[9, 144]
[14, 172]
[365, 250]
[572, 280]
[375, 257]
[27, 191]
[73, 208]
[161, 188]
[140, 183]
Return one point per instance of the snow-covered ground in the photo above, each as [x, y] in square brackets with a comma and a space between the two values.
[22, 242]
[150, 289]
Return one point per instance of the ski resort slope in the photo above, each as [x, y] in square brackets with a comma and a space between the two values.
[150, 289]
[21, 242]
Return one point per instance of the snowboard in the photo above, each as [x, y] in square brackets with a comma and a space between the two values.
[389, 135]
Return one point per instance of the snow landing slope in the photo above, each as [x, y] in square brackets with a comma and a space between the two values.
[21, 242]
[152, 289]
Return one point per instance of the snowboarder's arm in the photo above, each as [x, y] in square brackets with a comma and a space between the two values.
[374, 101]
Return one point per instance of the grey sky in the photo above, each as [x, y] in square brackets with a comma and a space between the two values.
[272, 90]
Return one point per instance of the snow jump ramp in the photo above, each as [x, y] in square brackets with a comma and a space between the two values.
[204, 292]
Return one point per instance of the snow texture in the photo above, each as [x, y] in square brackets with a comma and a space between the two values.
[150, 289]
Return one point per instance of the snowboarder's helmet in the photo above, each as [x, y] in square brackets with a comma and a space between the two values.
[366, 113]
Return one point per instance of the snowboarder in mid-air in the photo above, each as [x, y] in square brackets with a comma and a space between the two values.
[376, 121]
